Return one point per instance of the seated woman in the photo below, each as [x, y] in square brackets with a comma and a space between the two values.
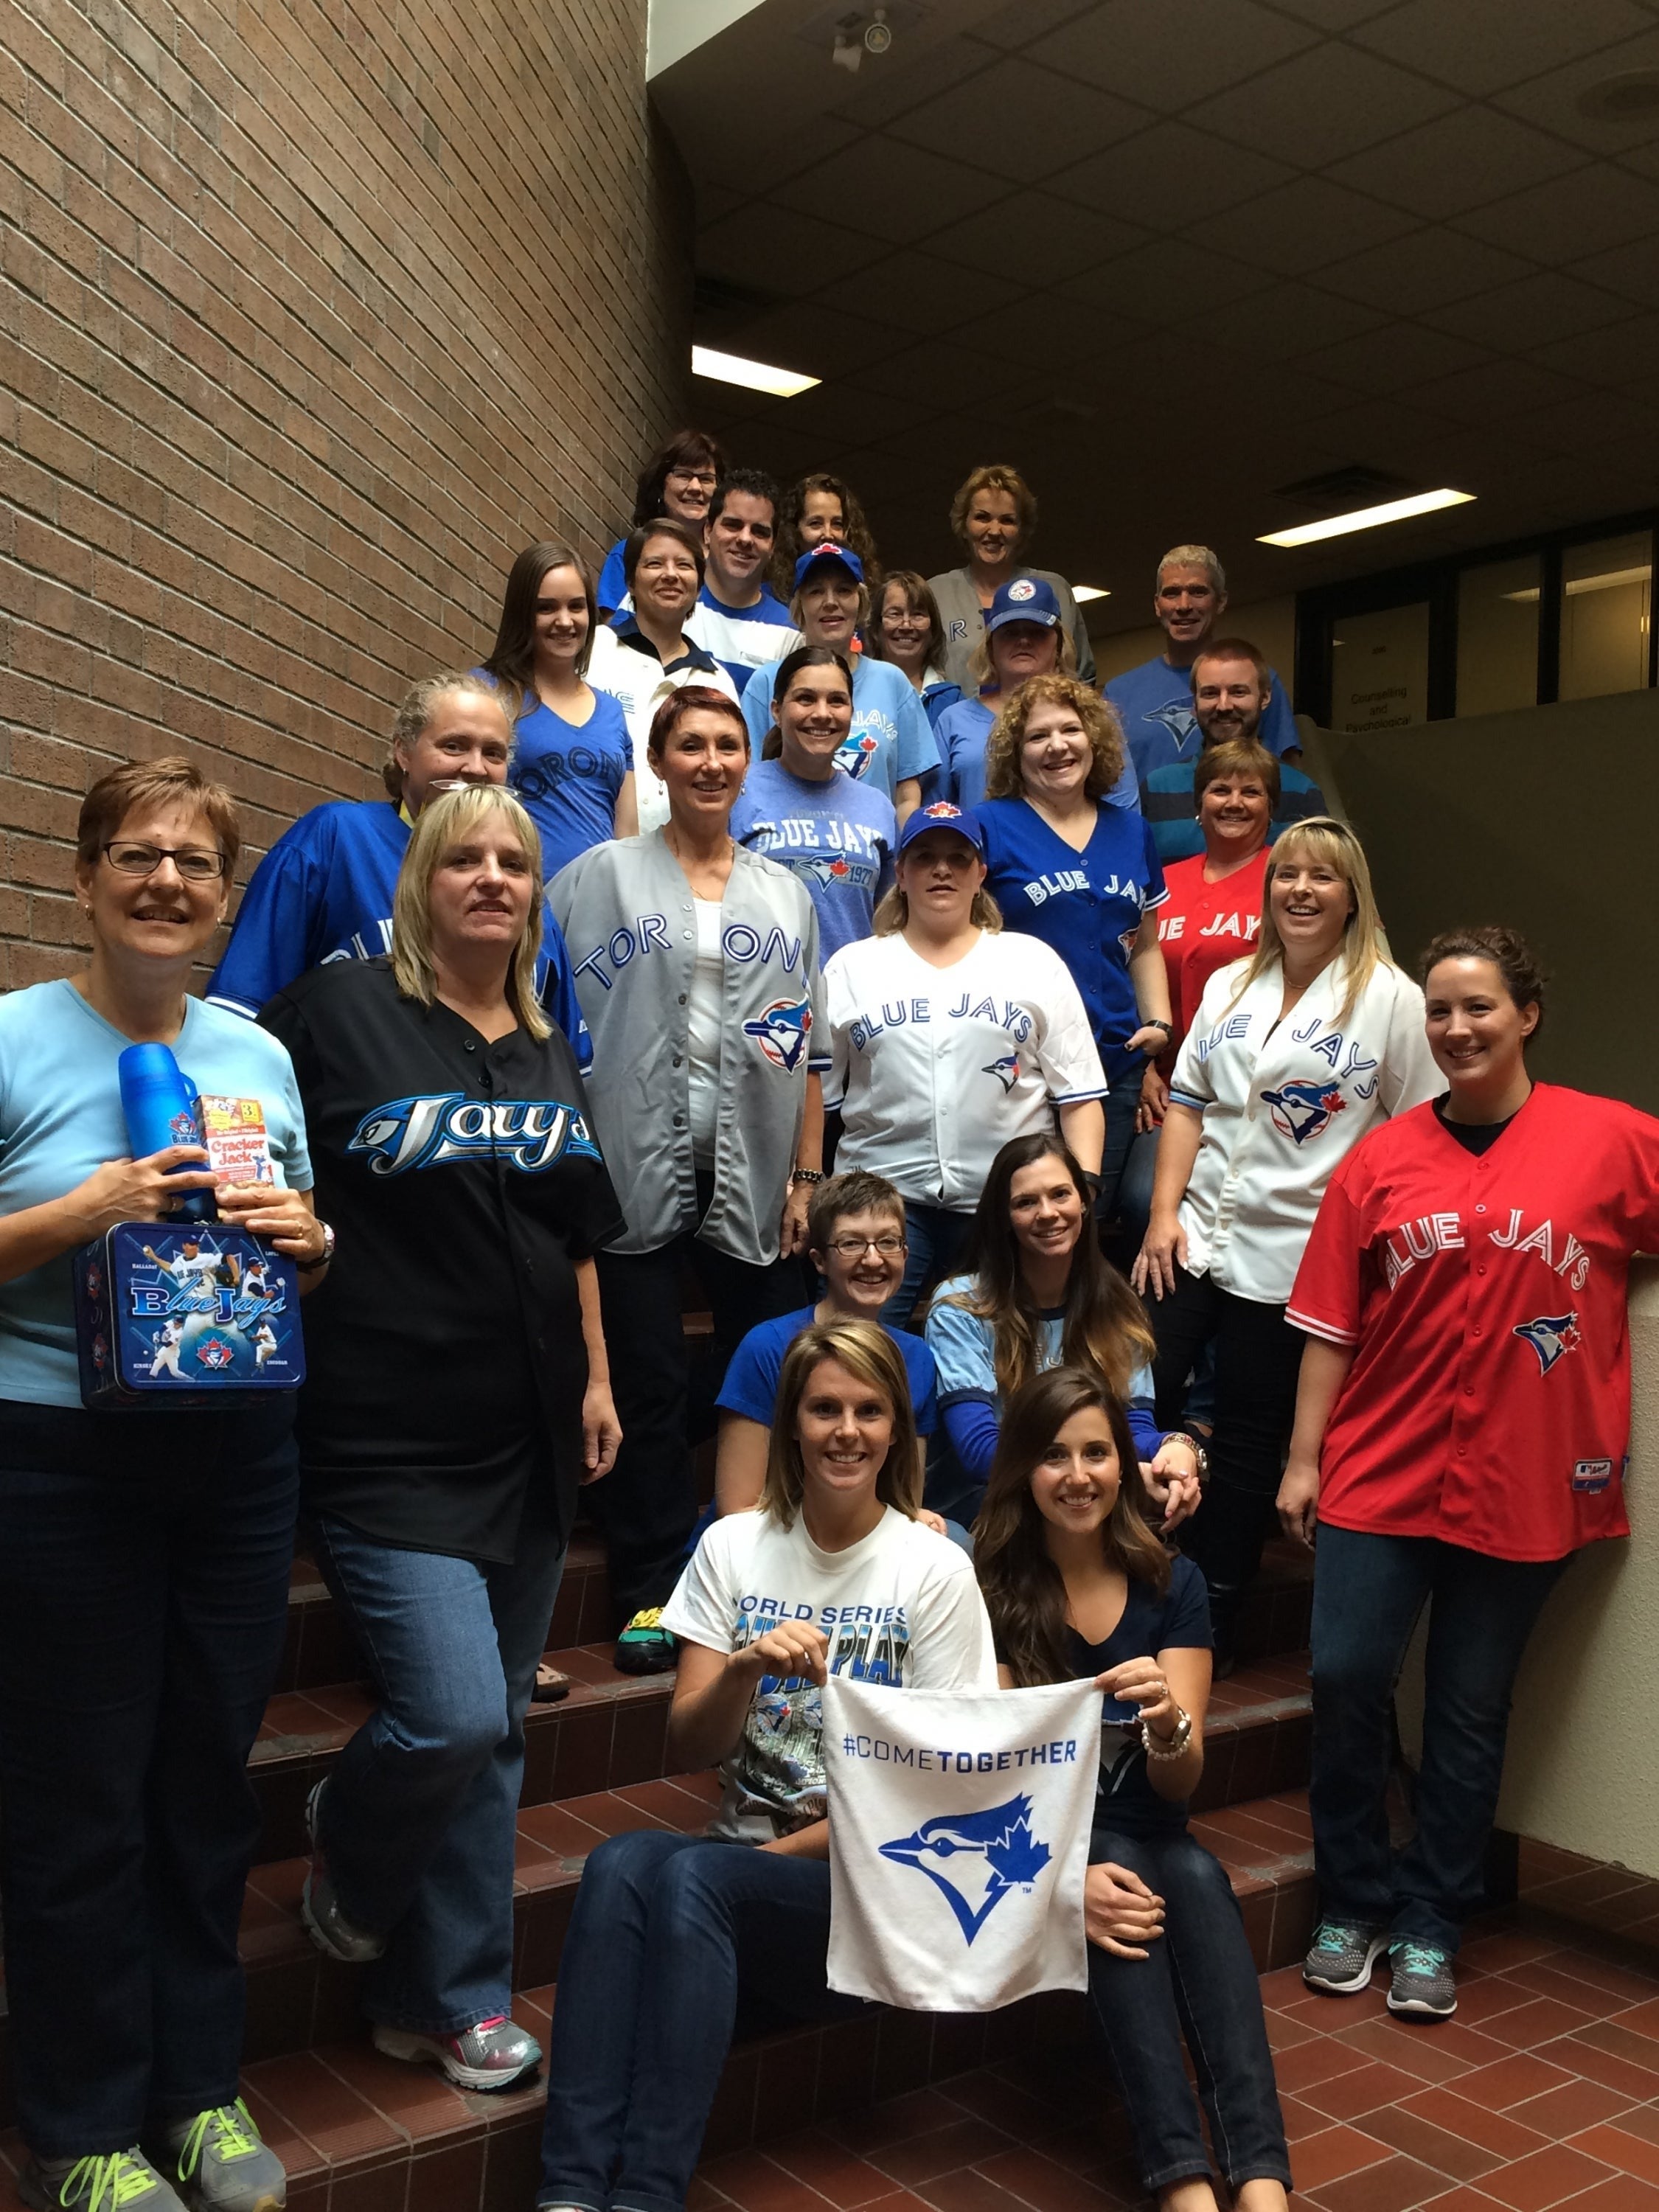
[855, 1239]
[669, 1931]
[1043, 1293]
[1076, 1583]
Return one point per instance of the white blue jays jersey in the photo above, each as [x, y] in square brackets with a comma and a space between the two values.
[935, 1069]
[323, 892]
[1283, 1103]
[1087, 905]
[1154, 703]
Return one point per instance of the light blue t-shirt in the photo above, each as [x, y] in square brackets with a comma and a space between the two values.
[1154, 703]
[962, 731]
[60, 1118]
[890, 741]
[836, 836]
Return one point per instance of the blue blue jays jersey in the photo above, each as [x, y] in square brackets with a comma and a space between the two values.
[1086, 905]
[323, 892]
[1154, 703]
[962, 731]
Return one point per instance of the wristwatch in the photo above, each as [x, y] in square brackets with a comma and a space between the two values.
[1158, 1747]
[315, 1267]
[1185, 1437]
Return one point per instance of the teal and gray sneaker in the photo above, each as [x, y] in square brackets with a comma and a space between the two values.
[218, 2163]
[645, 1646]
[1338, 1960]
[1424, 1986]
[114, 2181]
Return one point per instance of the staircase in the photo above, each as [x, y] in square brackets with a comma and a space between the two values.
[360, 2133]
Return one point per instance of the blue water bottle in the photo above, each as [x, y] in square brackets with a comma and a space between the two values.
[160, 1107]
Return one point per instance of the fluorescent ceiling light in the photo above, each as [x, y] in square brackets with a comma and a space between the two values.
[753, 376]
[1577, 584]
[1081, 591]
[1366, 518]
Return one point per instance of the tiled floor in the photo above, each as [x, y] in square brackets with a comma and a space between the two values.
[1542, 2094]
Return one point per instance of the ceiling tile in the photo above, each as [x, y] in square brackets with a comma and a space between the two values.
[1496, 392]
[1382, 434]
[1042, 238]
[1169, 178]
[817, 340]
[1583, 423]
[1425, 270]
[943, 369]
[1552, 100]
[1302, 225]
[1322, 105]
[1481, 45]
[1413, 355]
[1532, 311]
[1021, 122]
[921, 294]
[1145, 50]
[759, 247]
[843, 414]
[719, 156]
[1599, 205]
[1622, 354]
[1279, 321]
[1643, 158]
[1022, 21]
[1335, 16]
[902, 192]
[1461, 160]
[1045, 328]
[1166, 281]
[905, 78]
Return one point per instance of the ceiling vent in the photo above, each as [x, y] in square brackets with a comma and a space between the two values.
[719, 297]
[1337, 490]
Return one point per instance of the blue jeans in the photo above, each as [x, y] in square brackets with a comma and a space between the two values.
[1368, 1592]
[1134, 1190]
[1197, 1982]
[936, 1239]
[668, 1934]
[143, 1597]
[419, 1819]
[1121, 1104]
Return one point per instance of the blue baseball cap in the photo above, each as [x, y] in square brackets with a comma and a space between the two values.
[827, 550]
[1025, 598]
[941, 815]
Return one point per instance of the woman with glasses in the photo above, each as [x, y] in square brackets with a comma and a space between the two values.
[855, 1239]
[908, 630]
[677, 481]
[144, 1562]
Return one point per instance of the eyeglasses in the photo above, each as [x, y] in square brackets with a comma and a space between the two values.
[693, 476]
[197, 863]
[855, 1247]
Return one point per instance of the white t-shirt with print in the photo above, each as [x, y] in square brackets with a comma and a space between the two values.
[900, 1607]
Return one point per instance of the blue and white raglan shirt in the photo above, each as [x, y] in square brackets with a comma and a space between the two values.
[890, 742]
[569, 775]
[610, 594]
[1166, 800]
[323, 892]
[1154, 703]
[1088, 905]
[962, 731]
[742, 638]
[837, 837]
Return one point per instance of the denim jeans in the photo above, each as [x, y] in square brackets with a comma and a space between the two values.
[1120, 1105]
[1134, 1190]
[1198, 1982]
[668, 1934]
[1258, 1357]
[144, 1568]
[1368, 1592]
[419, 1820]
[937, 1238]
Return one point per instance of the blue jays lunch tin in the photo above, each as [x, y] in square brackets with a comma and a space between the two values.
[184, 1314]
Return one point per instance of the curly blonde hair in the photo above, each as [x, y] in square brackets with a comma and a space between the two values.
[1003, 778]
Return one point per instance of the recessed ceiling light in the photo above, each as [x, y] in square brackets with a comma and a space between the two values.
[1366, 518]
[1625, 98]
[1081, 591]
[753, 376]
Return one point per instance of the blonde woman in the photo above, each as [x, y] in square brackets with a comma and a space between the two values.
[1293, 1055]
[947, 1038]
[458, 1394]
[993, 519]
[1066, 865]
[670, 1931]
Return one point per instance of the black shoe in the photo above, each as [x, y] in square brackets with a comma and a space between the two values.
[645, 1646]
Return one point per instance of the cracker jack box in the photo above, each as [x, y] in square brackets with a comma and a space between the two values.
[189, 1312]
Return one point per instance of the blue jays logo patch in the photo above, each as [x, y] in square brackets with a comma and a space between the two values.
[1178, 719]
[825, 868]
[1550, 1336]
[856, 752]
[528, 1133]
[1302, 1110]
[974, 1859]
[781, 1031]
[1005, 1070]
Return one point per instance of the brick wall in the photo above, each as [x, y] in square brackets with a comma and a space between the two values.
[311, 316]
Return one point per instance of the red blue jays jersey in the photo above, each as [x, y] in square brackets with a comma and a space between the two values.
[1488, 1404]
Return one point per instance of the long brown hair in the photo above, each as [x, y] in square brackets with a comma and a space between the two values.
[512, 659]
[1105, 1325]
[870, 1354]
[1024, 1591]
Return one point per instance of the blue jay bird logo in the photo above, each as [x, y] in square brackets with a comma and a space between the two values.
[974, 1858]
[1550, 1336]
[1302, 1110]
[1005, 1070]
[782, 1030]
[1178, 718]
